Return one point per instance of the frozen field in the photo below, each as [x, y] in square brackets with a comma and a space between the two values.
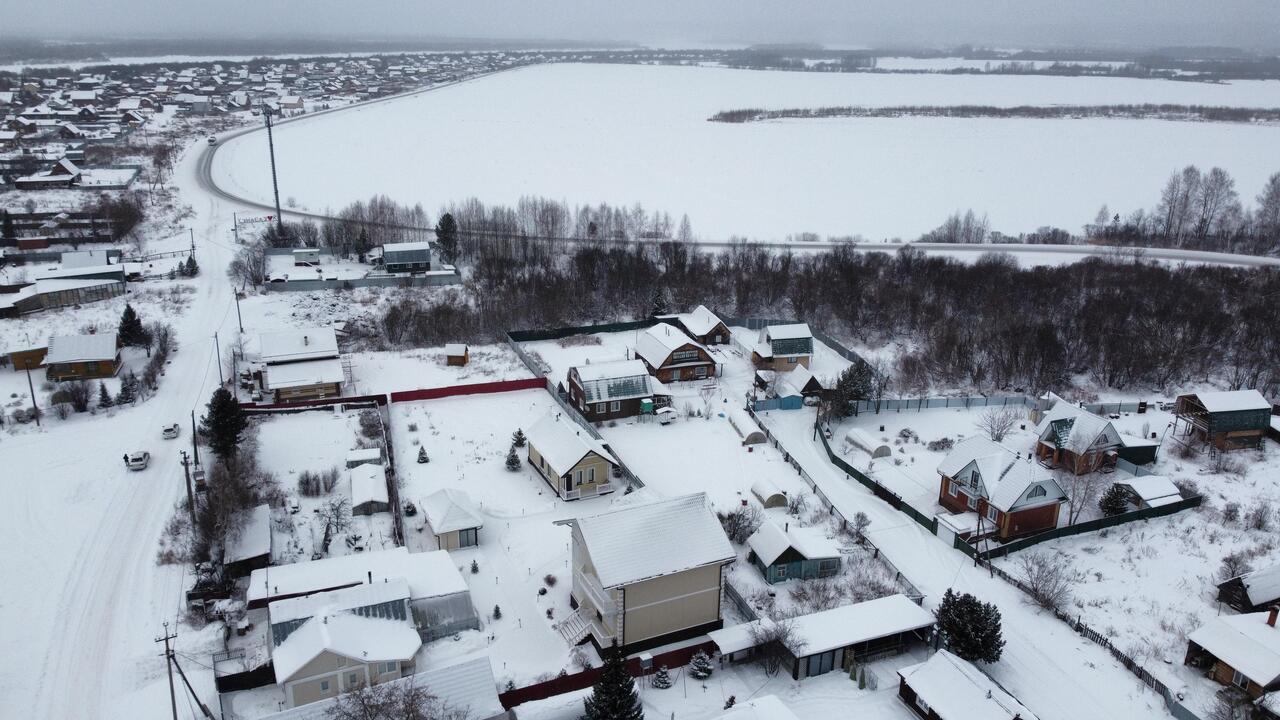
[627, 134]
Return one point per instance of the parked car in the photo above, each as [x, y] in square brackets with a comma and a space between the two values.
[138, 460]
[170, 432]
[294, 507]
[213, 140]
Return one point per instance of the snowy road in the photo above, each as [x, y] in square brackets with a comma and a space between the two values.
[1052, 670]
[85, 598]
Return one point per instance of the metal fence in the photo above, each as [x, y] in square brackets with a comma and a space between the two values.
[964, 401]
[452, 278]
[739, 602]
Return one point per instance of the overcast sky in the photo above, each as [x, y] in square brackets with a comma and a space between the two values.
[1243, 23]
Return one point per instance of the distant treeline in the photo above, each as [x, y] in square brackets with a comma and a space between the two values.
[1209, 113]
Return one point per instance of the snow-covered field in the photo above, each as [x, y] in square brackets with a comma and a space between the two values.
[627, 134]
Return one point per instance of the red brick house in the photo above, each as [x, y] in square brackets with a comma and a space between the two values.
[1011, 494]
[672, 356]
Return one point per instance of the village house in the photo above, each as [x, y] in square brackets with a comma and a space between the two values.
[453, 519]
[301, 364]
[63, 174]
[782, 347]
[368, 489]
[1075, 439]
[1253, 591]
[647, 574]
[1223, 420]
[249, 548]
[785, 553]
[569, 459]
[1241, 651]
[704, 326]
[618, 389]
[407, 257]
[1008, 495]
[945, 687]
[82, 357]
[672, 356]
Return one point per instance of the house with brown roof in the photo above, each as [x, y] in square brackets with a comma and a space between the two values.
[672, 356]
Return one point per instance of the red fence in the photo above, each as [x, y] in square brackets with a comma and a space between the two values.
[500, 386]
[585, 679]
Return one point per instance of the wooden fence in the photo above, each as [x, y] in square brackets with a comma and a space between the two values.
[499, 386]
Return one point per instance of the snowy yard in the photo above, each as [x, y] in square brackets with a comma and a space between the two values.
[395, 370]
[330, 266]
[155, 302]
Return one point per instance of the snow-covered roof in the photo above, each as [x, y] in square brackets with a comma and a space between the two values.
[82, 270]
[763, 488]
[957, 690]
[770, 542]
[734, 638]
[1068, 426]
[254, 538]
[657, 343]
[699, 322]
[1233, 400]
[1245, 642]
[653, 539]
[1154, 490]
[368, 484]
[301, 374]
[617, 380]
[450, 509]
[430, 574]
[81, 348]
[362, 456]
[327, 603]
[363, 639]
[286, 346]
[767, 707]
[86, 258]
[409, 249]
[563, 442]
[1262, 586]
[860, 622]
[1005, 476]
[794, 331]
[455, 350]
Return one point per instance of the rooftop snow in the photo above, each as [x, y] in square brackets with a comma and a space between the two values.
[734, 638]
[1233, 400]
[254, 538]
[860, 622]
[81, 348]
[1005, 475]
[363, 639]
[430, 574]
[563, 442]
[368, 484]
[767, 707]
[301, 374]
[657, 343]
[794, 331]
[358, 596]
[1152, 488]
[957, 690]
[699, 322]
[292, 345]
[1262, 586]
[450, 509]
[618, 380]
[771, 541]
[676, 535]
[1245, 642]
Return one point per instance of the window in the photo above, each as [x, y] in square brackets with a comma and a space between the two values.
[821, 663]
[791, 361]
[591, 475]
[468, 538]
[675, 375]
[972, 502]
[599, 407]
[992, 513]
[389, 667]
[700, 371]
[780, 571]
[615, 406]
[1037, 491]
[577, 480]
[684, 356]
[924, 706]
[324, 686]
[953, 487]
[1239, 680]
[353, 679]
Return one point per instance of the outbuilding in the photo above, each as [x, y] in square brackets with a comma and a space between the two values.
[786, 553]
[453, 519]
[249, 548]
[407, 257]
[457, 354]
[1253, 591]
[368, 490]
[863, 632]
[82, 357]
[945, 687]
[1224, 420]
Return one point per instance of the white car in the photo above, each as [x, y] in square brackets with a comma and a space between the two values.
[170, 432]
[138, 460]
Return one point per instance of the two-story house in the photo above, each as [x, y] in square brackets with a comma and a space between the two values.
[672, 356]
[572, 461]
[619, 389]
[1011, 494]
[783, 347]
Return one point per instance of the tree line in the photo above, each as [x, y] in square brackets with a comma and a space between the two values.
[1209, 113]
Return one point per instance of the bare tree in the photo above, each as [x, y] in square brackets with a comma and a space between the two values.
[336, 517]
[776, 643]
[996, 422]
[401, 700]
[1080, 480]
[1047, 577]
[250, 265]
[78, 393]
[741, 522]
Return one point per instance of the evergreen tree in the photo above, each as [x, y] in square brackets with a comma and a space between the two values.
[447, 238]
[854, 384]
[614, 695]
[128, 388]
[131, 331]
[224, 423]
[970, 628]
[700, 667]
[513, 460]
[104, 397]
[190, 268]
[658, 303]
[733, 700]
[518, 439]
[662, 679]
[497, 613]
[422, 456]
[1114, 501]
[6, 226]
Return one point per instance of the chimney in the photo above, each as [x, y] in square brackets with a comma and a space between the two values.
[1271, 615]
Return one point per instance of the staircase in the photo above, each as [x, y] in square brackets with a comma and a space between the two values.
[574, 628]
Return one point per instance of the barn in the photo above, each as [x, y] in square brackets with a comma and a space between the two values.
[1224, 420]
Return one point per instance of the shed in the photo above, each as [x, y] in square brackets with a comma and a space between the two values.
[1150, 491]
[786, 553]
[364, 456]
[945, 687]
[832, 639]
[1253, 591]
[453, 519]
[862, 440]
[457, 354]
[306, 256]
[768, 494]
[80, 357]
[250, 547]
[27, 359]
[1139, 451]
[737, 642]
[368, 490]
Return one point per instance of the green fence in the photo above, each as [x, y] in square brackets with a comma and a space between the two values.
[1084, 527]
[880, 491]
[564, 332]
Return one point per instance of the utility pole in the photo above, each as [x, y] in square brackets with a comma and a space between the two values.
[191, 499]
[275, 186]
[195, 444]
[218, 349]
[239, 319]
[235, 227]
[204, 709]
[35, 409]
[192, 234]
[168, 661]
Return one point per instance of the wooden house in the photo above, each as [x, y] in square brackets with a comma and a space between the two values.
[82, 357]
[573, 462]
[945, 687]
[786, 553]
[1253, 591]
[672, 356]
[301, 364]
[782, 347]
[1011, 494]
[704, 326]
[619, 389]
[1224, 420]
[1241, 651]
[336, 652]
[457, 354]
[1075, 439]
[647, 574]
[407, 257]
